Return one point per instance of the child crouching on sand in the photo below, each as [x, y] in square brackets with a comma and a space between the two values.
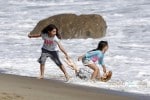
[82, 72]
[90, 58]
[51, 41]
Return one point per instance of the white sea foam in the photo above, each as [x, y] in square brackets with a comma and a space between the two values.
[128, 36]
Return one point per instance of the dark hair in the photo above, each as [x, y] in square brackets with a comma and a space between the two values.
[101, 45]
[50, 27]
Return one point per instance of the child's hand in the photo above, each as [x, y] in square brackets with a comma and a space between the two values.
[29, 35]
[79, 58]
[105, 75]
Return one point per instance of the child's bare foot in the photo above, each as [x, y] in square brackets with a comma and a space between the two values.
[92, 81]
[99, 78]
[67, 78]
[41, 77]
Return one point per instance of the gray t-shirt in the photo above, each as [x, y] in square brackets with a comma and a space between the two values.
[50, 43]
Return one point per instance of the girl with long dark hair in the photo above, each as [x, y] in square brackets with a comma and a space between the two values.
[96, 55]
[51, 39]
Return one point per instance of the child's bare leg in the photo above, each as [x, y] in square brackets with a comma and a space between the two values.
[42, 67]
[98, 75]
[64, 71]
[95, 69]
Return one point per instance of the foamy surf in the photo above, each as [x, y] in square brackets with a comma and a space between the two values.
[128, 36]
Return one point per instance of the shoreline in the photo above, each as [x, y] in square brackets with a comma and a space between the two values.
[30, 88]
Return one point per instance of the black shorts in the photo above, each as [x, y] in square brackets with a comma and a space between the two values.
[52, 54]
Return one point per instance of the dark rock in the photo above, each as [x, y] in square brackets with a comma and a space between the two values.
[74, 26]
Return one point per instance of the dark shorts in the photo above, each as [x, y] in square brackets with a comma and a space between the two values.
[86, 61]
[52, 54]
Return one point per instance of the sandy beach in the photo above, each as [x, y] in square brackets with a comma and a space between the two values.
[24, 88]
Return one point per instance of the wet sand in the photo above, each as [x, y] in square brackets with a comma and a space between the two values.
[14, 87]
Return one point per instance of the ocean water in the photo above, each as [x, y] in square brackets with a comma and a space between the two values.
[128, 35]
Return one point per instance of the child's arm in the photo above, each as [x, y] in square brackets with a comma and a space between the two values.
[34, 35]
[62, 49]
[80, 57]
[104, 68]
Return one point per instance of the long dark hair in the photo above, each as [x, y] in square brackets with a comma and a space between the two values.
[50, 27]
[101, 45]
